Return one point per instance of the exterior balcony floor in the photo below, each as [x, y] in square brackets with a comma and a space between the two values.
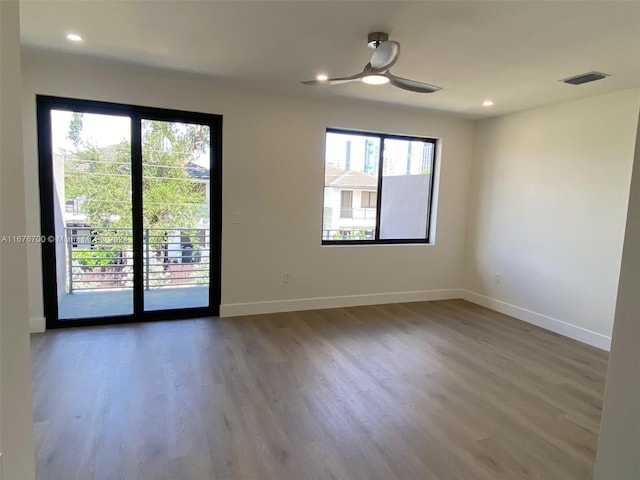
[111, 302]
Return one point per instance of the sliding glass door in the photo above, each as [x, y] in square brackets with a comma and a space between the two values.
[176, 194]
[130, 201]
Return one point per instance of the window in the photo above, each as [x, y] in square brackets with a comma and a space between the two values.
[346, 203]
[368, 199]
[377, 188]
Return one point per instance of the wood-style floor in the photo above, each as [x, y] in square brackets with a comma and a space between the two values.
[438, 390]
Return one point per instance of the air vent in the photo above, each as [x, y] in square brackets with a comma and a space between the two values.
[585, 78]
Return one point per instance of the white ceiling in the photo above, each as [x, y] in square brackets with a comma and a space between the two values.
[513, 52]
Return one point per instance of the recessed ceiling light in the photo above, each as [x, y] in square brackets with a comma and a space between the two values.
[74, 37]
[487, 103]
[375, 79]
[322, 77]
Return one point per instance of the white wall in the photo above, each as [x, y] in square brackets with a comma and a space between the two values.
[16, 422]
[273, 176]
[547, 212]
[619, 442]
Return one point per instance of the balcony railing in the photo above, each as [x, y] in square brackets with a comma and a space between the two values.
[102, 257]
[365, 213]
[348, 234]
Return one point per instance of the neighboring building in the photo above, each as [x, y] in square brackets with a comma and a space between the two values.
[350, 199]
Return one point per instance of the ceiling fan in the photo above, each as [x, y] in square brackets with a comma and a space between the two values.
[377, 72]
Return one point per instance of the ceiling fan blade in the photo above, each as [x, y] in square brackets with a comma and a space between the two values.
[335, 81]
[385, 56]
[412, 85]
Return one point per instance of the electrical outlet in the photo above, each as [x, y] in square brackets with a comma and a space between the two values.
[497, 278]
[286, 278]
[237, 218]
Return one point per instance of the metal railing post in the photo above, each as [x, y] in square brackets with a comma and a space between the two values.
[147, 258]
[69, 257]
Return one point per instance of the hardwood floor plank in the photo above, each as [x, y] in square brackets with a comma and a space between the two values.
[429, 390]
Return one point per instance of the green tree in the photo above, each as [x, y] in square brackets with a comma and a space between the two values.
[100, 177]
[75, 129]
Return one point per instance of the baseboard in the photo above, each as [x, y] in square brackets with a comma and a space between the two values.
[580, 334]
[603, 342]
[37, 324]
[256, 308]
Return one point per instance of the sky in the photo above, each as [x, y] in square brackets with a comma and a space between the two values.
[395, 151]
[99, 130]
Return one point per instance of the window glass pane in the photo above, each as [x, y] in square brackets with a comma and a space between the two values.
[406, 189]
[351, 171]
[91, 156]
[176, 164]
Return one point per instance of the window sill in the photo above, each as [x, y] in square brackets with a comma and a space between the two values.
[410, 243]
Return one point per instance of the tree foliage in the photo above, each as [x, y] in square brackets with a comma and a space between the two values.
[100, 177]
[75, 129]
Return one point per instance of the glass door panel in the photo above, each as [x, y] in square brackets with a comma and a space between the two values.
[91, 156]
[176, 166]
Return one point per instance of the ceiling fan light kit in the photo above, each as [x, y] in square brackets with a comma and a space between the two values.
[377, 72]
[375, 79]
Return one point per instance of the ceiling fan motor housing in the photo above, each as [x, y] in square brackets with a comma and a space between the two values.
[376, 38]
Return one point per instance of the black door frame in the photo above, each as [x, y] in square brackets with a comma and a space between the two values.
[44, 105]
